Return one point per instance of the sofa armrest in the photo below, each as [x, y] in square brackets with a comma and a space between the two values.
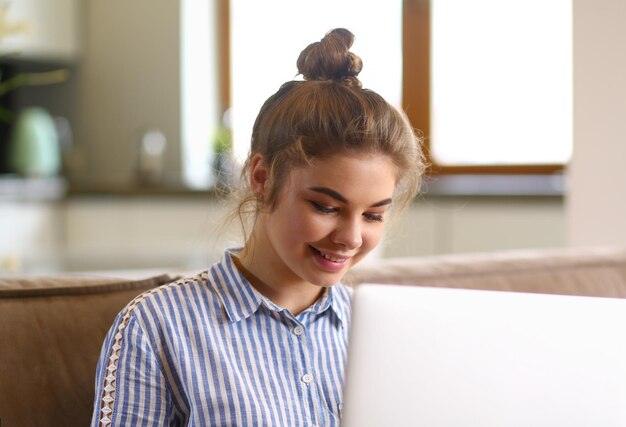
[51, 332]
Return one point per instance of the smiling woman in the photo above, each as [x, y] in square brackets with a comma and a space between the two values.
[322, 224]
[260, 338]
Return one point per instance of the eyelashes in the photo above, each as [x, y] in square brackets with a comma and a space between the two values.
[374, 217]
[327, 210]
[324, 209]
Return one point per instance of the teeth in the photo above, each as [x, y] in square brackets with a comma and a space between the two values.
[331, 258]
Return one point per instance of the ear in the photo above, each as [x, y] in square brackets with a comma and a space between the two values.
[259, 175]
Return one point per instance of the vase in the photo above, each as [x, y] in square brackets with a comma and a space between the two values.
[34, 149]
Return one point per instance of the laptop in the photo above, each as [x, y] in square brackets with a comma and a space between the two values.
[451, 357]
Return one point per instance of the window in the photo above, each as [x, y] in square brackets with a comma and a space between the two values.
[489, 82]
[267, 37]
[199, 100]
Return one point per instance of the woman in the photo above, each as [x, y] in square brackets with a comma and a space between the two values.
[261, 337]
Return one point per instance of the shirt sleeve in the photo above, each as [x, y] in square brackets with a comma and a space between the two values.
[130, 388]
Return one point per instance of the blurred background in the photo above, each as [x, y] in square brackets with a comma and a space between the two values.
[121, 123]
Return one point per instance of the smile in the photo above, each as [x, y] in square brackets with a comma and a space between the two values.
[332, 258]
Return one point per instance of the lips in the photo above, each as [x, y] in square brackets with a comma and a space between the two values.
[330, 257]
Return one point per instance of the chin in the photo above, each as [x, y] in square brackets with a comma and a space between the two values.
[328, 281]
[328, 285]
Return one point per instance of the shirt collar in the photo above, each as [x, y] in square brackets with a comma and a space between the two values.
[240, 299]
[328, 301]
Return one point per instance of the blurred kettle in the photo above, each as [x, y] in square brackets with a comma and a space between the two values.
[34, 147]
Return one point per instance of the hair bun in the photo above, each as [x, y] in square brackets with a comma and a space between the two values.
[331, 59]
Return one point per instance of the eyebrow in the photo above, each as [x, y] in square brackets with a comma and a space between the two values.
[332, 193]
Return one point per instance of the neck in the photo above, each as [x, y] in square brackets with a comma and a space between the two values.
[295, 296]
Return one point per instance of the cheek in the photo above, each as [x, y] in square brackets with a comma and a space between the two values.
[299, 225]
[310, 227]
[372, 235]
[314, 227]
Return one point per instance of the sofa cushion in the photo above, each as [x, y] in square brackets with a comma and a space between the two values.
[51, 332]
[566, 271]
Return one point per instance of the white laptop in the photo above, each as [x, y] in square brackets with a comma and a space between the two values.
[449, 357]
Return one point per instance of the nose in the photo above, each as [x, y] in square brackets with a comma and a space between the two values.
[348, 234]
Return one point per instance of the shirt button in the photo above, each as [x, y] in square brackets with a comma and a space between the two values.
[307, 378]
[298, 330]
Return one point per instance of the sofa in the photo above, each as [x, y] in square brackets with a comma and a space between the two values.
[51, 328]
[51, 331]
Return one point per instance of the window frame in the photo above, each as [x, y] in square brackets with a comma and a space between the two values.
[223, 53]
[416, 25]
[415, 86]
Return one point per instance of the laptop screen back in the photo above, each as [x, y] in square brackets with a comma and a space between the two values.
[450, 357]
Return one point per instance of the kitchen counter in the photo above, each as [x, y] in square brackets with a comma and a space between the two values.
[14, 188]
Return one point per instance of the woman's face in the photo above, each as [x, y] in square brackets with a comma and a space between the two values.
[327, 217]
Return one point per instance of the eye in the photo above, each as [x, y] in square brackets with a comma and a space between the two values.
[373, 217]
[322, 208]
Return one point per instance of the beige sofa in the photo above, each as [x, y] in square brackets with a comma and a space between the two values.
[571, 271]
[51, 328]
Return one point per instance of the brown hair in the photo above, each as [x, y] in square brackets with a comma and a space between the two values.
[327, 113]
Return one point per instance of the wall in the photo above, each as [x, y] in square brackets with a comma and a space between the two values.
[30, 235]
[128, 80]
[144, 232]
[596, 203]
[40, 30]
[440, 225]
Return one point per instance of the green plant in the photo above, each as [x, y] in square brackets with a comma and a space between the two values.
[222, 142]
[29, 79]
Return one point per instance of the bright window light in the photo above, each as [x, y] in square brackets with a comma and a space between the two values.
[501, 82]
[199, 116]
[267, 37]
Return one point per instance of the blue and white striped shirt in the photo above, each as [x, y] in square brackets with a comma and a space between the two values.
[212, 351]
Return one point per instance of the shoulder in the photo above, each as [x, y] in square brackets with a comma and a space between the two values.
[182, 300]
[168, 300]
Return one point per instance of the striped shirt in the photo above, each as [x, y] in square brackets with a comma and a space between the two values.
[212, 351]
